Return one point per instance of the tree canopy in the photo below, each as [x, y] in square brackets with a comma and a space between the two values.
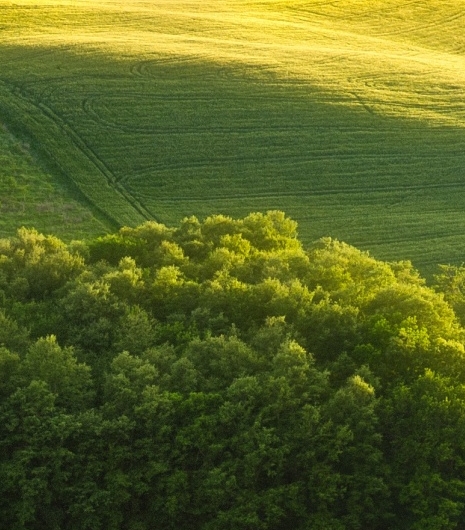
[219, 375]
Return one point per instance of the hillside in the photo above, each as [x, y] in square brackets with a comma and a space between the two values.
[30, 195]
[350, 119]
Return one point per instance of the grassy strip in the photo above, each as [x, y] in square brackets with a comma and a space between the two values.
[69, 154]
[31, 196]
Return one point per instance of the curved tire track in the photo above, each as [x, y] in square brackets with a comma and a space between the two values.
[122, 207]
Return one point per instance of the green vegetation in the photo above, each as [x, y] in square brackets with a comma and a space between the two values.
[219, 375]
[29, 195]
[349, 118]
[224, 374]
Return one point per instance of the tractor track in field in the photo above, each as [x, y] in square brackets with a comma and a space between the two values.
[85, 150]
[346, 159]
[94, 158]
[347, 16]
[92, 105]
[430, 26]
[141, 68]
[453, 17]
[445, 234]
[198, 111]
[459, 186]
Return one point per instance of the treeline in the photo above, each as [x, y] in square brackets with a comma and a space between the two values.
[219, 376]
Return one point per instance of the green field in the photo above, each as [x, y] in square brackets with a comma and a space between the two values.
[31, 196]
[347, 115]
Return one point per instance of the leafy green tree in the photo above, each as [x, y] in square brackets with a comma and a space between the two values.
[35, 265]
[68, 380]
[88, 312]
[220, 360]
[128, 377]
[33, 458]
[13, 336]
[270, 231]
[450, 281]
[135, 332]
[219, 375]
[171, 292]
[424, 437]
[9, 367]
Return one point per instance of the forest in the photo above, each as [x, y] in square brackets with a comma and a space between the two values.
[220, 375]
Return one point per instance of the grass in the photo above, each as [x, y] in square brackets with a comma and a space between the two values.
[348, 117]
[31, 196]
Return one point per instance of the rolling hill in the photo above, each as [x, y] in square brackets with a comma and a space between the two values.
[348, 117]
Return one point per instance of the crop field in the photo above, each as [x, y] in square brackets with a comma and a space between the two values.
[348, 115]
[30, 196]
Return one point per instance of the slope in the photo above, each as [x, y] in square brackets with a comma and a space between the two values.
[350, 119]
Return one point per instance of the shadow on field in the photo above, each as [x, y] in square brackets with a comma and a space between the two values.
[164, 137]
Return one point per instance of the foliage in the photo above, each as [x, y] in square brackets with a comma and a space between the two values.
[220, 375]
